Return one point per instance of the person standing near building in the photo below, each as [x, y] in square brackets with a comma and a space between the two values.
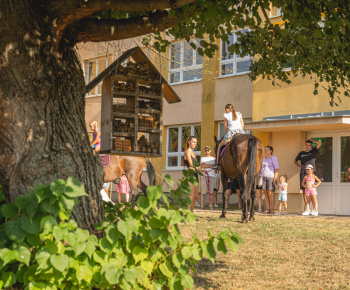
[208, 180]
[305, 158]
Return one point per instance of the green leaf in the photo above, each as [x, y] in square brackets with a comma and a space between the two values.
[124, 228]
[156, 223]
[59, 262]
[147, 266]
[100, 257]
[67, 202]
[33, 240]
[8, 255]
[165, 270]
[178, 260]
[208, 249]
[112, 274]
[41, 191]
[169, 179]
[82, 235]
[139, 254]
[74, 188]
[58, 187]
[47, 224]
[43, 258]
[90, 249]
[22, 201]
[84, 273]
[232, 244]
[50, 208]
[112, 234]
[106, 246]
[30, 225]
[32, 206]
[154, 192]
[14, 232]
[9, 210]
[186, 252]
[8, 279]
[187, 281]
[78, 248]
[24, 255]
[144, 204]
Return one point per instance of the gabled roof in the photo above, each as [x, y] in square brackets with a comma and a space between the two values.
[138, 55]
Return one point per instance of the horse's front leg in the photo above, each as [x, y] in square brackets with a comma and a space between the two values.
[224, 189]
[134, 196]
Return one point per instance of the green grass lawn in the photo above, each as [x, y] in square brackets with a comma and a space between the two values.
[279, 252]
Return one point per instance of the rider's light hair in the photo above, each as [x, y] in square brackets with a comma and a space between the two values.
[95, 124]
[233, 111]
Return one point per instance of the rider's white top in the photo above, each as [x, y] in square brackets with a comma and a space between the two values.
[233, 124]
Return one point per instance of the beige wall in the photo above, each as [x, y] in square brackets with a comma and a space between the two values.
[296, 98]
[238, 91]
[188, 111]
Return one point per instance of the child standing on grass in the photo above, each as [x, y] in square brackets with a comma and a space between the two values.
[282, 195]
[123, 188]
[310, 190]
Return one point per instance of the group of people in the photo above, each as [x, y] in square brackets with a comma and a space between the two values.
[268, 179]
[122, 182]
[308, 180]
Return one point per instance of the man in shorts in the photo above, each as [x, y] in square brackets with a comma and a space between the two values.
[307, 157]
[207, 163]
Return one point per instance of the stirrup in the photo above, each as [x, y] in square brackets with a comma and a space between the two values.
[216, 166]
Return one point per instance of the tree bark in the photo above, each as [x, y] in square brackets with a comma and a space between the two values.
[42, 111]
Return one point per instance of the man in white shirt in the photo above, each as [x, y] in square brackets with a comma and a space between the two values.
[207, 162]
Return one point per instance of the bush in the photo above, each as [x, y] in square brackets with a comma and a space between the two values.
[40, 248]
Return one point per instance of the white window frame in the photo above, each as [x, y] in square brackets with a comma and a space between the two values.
[88, 65]
[183, 68]
[178, 154]
[236, 58]
[278, 14]
[219, 130]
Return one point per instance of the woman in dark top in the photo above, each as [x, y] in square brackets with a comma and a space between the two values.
[189, 159]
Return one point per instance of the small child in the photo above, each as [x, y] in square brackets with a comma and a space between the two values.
[123, 188]
[310, 190]
[282, 195]
[96, 142]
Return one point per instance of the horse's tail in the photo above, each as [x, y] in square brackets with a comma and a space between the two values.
[151, 172]
[252, 151]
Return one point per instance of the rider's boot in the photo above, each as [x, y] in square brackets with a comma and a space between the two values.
[216, 165]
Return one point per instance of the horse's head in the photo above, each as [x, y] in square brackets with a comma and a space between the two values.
[217, 142]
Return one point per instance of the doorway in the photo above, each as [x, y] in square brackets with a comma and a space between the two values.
[333, 169]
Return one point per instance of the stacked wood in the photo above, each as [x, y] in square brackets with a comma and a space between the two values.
[119, 126]
[126, 145]
[118, 144]
[146, 121]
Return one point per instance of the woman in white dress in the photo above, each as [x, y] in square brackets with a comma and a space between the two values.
[233, 123]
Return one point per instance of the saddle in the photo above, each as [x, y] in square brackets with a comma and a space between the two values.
[105, 160]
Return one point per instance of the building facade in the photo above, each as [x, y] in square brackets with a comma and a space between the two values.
[281, 116]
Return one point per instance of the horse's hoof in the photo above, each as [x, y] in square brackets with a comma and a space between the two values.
[222, 216]
[251, 219]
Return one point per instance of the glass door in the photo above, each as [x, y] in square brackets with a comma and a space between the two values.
[324, 164]
[343, 175]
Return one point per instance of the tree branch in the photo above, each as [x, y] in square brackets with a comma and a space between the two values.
[265, 14]
[96, 30]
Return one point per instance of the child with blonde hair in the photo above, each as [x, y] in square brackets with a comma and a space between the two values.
[310, 190]
[96, 142]
[282, 194]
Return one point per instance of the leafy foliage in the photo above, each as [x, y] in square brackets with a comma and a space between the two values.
[312, 37]
[139, 248]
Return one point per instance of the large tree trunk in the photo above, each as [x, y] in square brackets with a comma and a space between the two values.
[42, 101]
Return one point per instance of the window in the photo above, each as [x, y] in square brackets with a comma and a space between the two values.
[221, 131]
[274, 11]
[176, 144]
[185, 63]
[88, 71]
[233, 64]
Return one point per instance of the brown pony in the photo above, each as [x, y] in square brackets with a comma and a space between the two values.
[132, 167]
[242, 159]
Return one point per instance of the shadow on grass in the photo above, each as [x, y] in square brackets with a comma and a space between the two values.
[205, 267]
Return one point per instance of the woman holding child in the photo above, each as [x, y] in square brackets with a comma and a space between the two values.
[269, 174]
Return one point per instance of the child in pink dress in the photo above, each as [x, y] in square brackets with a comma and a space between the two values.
[123, 188]
[310, 190]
